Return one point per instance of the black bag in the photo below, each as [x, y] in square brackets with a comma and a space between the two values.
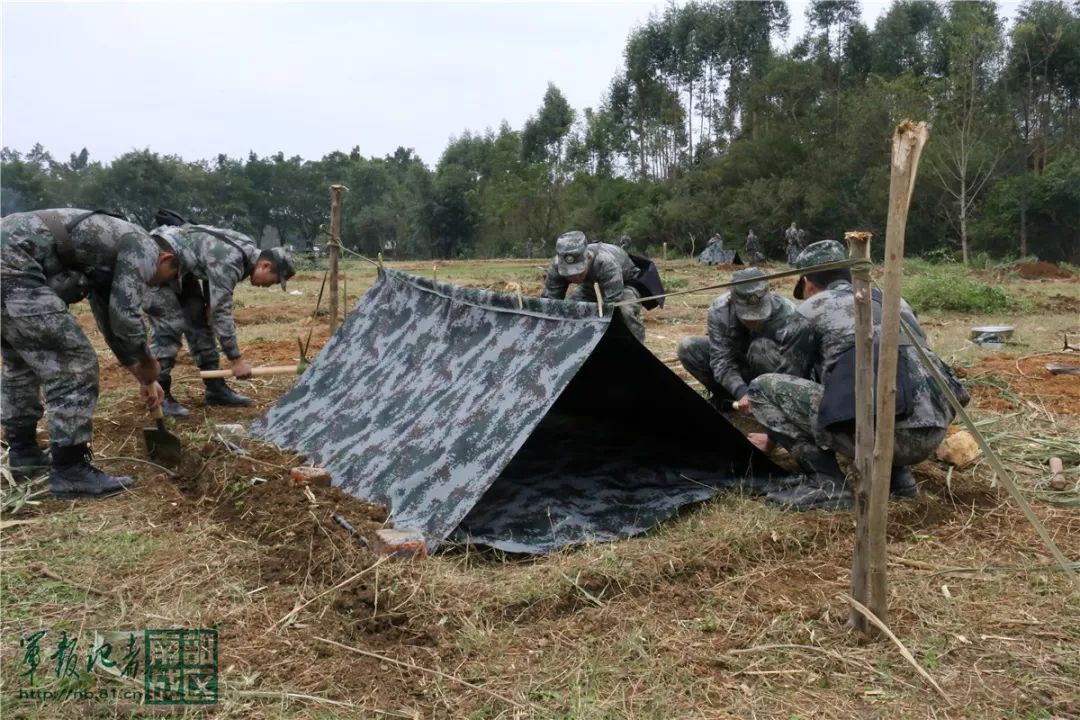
[648, 281]
[837, 408]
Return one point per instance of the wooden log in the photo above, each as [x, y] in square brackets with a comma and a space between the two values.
[908, 141]
[859, 249]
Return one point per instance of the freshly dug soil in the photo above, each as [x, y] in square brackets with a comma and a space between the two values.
[1040, 270]
[1028, 378]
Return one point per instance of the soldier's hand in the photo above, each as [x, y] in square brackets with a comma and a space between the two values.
[147, 370]
[241, 369]
[761, 441]
[743, 405]
[152, 395]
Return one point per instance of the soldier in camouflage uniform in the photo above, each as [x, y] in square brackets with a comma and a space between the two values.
[789, 407]
[212, 262]
[579, 261]
[49, 259]
[753, 249]
[747, 329]
[794, 246]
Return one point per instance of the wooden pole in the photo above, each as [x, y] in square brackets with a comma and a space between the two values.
[335, 251]
[907, 145]
[859, 249]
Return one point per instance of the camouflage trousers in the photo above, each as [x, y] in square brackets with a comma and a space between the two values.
[792, 253]
[631, 313]
[174, 317]
[762, 356]
[45, 351]
[788, 407]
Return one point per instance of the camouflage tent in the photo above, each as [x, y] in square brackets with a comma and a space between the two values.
[715, 254]
[522, 423]
[718, 255]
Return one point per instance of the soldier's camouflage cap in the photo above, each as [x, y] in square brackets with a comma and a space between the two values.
[751, 300]
[283, 264]
[570, 250]
[819, 253]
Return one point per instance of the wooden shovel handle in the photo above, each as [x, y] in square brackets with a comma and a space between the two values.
[265, 370]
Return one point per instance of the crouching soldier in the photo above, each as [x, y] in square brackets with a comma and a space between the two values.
[747, 328]
[49, 259]
[816, 420]
[212, 263]
[577, 261]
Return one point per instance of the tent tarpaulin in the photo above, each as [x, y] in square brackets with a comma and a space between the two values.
[715, 254]
[522, 423]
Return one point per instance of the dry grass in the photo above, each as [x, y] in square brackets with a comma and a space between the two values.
[730, 610]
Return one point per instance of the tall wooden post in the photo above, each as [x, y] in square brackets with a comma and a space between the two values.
[907, 145]
[335, 251]
[859, 249]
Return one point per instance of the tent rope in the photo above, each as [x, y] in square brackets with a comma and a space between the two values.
[838, 265]
[992, 457]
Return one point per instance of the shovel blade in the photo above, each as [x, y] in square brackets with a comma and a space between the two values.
[162, 446]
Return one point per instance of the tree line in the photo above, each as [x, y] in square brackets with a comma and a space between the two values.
[708, 127]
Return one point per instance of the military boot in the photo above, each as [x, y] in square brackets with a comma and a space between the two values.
[902, 483]
[171, 407]
[73, 476]
[822, 488]
[218, 393]
[25, 458]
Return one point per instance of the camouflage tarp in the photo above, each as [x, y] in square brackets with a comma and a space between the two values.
[715, 254]
[524, 427]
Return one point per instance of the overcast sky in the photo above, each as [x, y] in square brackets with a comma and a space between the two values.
[306, 79]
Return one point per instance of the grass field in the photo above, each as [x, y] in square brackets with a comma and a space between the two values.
[732, 609]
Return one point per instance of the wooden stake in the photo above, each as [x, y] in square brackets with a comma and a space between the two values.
[859, 249]
[907, 145]
[335, 250]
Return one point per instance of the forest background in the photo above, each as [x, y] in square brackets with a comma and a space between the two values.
[708, 127]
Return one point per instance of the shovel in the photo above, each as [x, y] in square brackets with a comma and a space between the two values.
[162, 445]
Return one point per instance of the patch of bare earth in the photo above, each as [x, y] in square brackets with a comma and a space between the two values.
[730, 610]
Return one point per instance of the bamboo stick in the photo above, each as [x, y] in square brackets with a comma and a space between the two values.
[335, 251]
[907, 145]
[859, 249]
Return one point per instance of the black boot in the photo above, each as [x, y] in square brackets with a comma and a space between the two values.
[218, 393]
[25, 458]
[171, 407]
[902, 483]
[823, 487]
[74, 477]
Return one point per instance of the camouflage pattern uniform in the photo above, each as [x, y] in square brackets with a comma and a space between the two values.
[794, 247]
[44, 349]
[733, 354]
[788, 406]
[753, 249]
[611, 268]
[222, 267]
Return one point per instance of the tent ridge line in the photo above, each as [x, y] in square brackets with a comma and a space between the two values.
[409, 278]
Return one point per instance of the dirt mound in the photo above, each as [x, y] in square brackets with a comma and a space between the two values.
[1004, 383]
[1040, 270]
[253, 495]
